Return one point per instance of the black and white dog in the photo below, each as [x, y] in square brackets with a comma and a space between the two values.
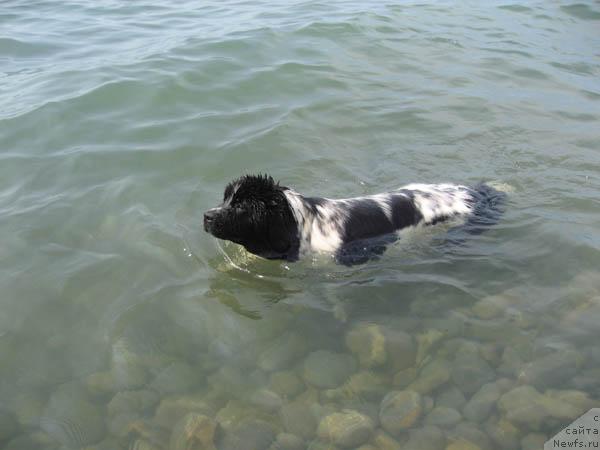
[276, 222]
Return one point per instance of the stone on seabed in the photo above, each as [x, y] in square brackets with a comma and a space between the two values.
[176, 377]
[479, 407]
[282, 352]
[266, 400]
[462, 444]
[193, 432]
[346, 429]
[250, 434]
[71, 418]
[288, 441]
[173, 408]
[525, 406]
[533, 441]
[503, 433]
[327, 370]
[470, 372]
[286, 383]
[443, 417]
[8, 426]
[400, 410]
[298, 419]
[451, 397]
[364, 385]
[551, 370]
[426, 438]
[433, 375]
[367, 342]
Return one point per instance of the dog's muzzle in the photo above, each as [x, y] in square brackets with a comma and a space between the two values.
[209, 219]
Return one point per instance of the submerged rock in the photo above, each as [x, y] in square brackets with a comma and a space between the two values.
[132, 401]
[443, 417]
[172, 409]
[404, 377]
[426, 438]
[72, 419]
[29, 407]
[236, 412]
[144, 430]
[367, 342]
[250, 434]
[110, 443]
[431, 376]
[551, 370]
[375, 345]
[401, 349]
[8, 426]
[533, 441]
[491, 307]
[22, 442]
[288, 441]
[525, 406]
[282, 352]
[503, 433]
[427, 342]
[286, 383]
[100, 383]
[384, 441]
[127, 407]
[483, 402]
[470, 433]
[266, 400]
[127, 368]
[462, 444]
[470, 372]
[326, 370]
[298, 419]
[365, 385]
[193, 432]
[451, 397]
[400, 410]
[346, 429]
[138, 444]
[175, 378]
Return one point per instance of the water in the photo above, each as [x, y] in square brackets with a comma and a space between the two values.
[121, 122]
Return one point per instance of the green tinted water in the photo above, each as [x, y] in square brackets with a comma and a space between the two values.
[123, 325]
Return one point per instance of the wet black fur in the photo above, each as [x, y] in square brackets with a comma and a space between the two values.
[255, 213]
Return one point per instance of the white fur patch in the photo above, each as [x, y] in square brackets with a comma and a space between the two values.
[321, 232]
[325, 234]
[438, 201]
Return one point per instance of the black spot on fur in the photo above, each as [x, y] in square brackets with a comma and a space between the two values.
[365, 219]
[404, 211]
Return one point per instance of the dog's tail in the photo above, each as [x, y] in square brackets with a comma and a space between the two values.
[489, 206]
[489, 202]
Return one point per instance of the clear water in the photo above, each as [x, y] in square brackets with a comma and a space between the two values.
[120, 122]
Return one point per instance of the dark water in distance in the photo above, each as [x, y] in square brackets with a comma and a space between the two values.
[124, 325]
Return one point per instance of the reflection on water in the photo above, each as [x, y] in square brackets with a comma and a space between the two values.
[124, 326]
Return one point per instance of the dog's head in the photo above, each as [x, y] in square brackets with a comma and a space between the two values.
[256, 214]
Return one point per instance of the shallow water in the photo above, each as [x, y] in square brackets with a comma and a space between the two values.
[121, 122]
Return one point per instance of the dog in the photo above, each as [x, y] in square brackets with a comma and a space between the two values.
[276, 222]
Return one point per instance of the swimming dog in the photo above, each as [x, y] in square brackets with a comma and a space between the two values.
[276, 222]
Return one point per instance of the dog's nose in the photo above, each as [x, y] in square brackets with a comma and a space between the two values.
[209, 217]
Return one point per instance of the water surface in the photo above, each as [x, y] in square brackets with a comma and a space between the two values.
[123, 325]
